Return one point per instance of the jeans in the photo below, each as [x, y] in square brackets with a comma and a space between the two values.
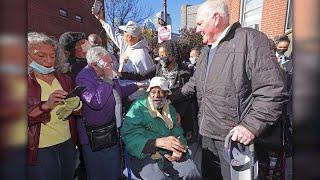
[103, 164]
[54, 163]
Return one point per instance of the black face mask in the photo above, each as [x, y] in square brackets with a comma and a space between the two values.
[164, 61]
[281, 51]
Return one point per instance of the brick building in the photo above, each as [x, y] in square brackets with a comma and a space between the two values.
[54, 17]
[273, 17]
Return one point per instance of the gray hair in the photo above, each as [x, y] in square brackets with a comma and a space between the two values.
[95, 53]
[220, 6]
[35, 38]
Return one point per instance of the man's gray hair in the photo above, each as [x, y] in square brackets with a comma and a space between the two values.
[95, 53]
[221, 6]
[35, 38]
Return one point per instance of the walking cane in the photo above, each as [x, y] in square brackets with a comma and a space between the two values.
[235, 164]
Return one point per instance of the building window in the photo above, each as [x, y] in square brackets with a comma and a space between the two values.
[289, 17]
[79, 19]
[63, 12]
[251, 13]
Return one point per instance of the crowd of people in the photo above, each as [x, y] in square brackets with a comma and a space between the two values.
[90, 113]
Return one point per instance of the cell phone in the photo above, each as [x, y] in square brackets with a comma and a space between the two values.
[101, 64]
[75, 92]
[96, 7]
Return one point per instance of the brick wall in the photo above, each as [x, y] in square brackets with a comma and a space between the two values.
[274, 17]
[234, 10]
[43, 16]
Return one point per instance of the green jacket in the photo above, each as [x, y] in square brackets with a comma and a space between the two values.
[139, 126]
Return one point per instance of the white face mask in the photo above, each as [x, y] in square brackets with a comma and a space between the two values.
[192, 60]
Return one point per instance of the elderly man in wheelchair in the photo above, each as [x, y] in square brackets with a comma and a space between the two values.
[155, 142]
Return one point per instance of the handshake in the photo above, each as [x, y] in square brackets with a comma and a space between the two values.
[173, 144]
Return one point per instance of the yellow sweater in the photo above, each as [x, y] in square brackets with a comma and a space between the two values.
[55, 131]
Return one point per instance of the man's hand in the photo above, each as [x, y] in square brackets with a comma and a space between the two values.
[171, 143]
[142, 85]
[176, 156]
[242, 135]
[124, 58]
[99, 16]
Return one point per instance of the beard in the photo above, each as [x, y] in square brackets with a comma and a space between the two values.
[158, 104]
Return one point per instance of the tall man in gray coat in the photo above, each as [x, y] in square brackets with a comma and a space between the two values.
[238, 83]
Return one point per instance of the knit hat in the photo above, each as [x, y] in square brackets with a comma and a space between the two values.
[69, 39]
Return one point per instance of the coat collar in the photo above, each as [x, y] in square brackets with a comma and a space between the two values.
[230, 33]
[59, 77]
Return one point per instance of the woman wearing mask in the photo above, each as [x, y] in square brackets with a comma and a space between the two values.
[192, 61]
[75, 46]
[51, 127]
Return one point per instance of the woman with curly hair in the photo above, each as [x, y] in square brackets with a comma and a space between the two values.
[51, 127]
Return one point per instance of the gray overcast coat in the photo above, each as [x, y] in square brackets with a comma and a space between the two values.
[245, 85]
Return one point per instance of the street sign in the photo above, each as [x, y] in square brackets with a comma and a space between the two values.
[164, 33]
[158, 18]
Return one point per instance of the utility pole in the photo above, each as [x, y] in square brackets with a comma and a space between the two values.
[165, 12]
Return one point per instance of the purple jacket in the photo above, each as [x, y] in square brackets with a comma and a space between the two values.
[98, 100]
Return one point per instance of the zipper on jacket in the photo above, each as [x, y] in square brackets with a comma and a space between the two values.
[238, 109]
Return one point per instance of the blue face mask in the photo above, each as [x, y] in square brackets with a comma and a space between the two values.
[41, 69]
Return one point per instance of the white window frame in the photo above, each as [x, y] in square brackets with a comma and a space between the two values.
[286, 29]
[79, 18]
[63, 13]
[242, 5]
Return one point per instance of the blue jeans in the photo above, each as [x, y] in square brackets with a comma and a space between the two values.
[103, 164]
[54, 163]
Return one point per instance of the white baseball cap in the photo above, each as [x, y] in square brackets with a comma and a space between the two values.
[159, 82]
[131, 27]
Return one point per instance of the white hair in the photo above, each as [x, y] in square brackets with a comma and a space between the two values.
[95, 53]
[35, 38]
[219, 6]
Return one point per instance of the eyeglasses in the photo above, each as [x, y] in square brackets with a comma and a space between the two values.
[160, 92]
